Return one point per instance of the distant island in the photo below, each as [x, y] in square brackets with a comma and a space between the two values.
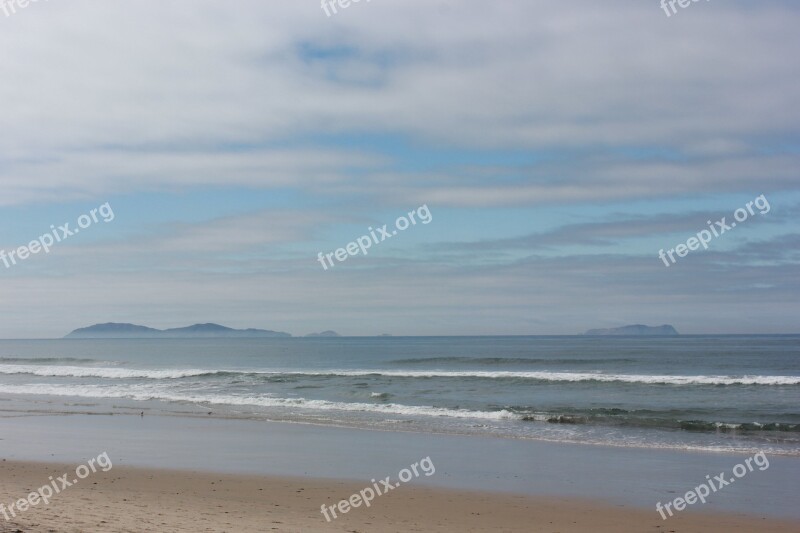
[132, 331]
[636, 329]
[328, 333]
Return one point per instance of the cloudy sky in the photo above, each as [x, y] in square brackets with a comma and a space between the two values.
[558, 146]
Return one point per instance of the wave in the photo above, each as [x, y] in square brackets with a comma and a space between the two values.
[595, 416]
[496, 361]
[750, 427]
[144, 394]
[101, 372]
[651, 419]
[543, 376]
[566, 377]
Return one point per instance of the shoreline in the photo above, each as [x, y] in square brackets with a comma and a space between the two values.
[634, 478]
[137, 499]
[20, 405]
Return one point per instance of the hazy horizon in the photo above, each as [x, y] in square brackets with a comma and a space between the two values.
[300, 335]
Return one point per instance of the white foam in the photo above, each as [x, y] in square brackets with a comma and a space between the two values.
[100, 372]
[124, 373]
[143, 393]
[571, 376]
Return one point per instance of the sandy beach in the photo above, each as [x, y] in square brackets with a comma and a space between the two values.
[208, 474]
[132, 499]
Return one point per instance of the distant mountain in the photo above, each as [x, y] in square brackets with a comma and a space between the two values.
[215, 330]
[636, 329]
[130, 331]
[113, 330]
[328, 333]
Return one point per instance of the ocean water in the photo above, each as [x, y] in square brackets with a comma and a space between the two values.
[712, 393]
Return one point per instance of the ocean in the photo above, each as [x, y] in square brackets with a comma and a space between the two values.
[738, 394]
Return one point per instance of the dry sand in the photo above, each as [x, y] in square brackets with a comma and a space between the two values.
[130, 499]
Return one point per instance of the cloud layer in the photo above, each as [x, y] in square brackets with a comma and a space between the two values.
[558, 146]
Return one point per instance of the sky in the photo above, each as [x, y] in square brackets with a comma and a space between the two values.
[557, 146]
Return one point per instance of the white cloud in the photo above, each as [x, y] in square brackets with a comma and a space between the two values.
[80, 80]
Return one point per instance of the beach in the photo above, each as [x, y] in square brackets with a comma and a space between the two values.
[363, 435]
[131, 499]
[195, 473]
